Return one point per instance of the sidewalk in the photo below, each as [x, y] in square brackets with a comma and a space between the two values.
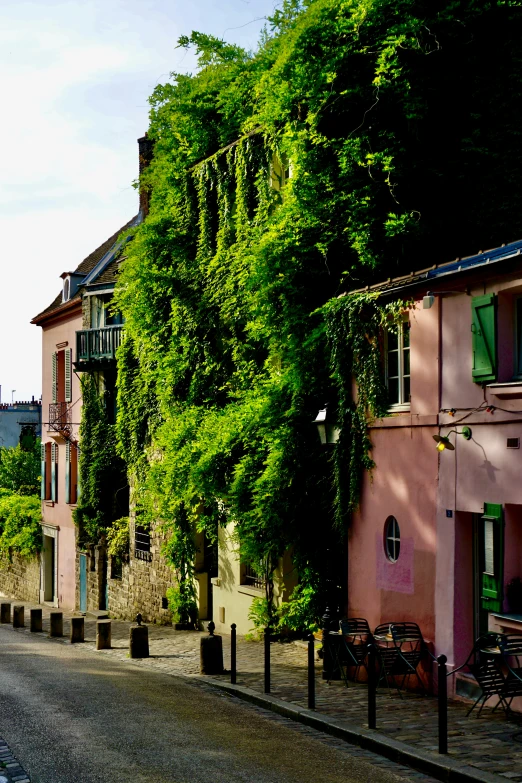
[491, 743]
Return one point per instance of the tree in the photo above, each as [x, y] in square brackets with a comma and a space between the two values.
[20, 468]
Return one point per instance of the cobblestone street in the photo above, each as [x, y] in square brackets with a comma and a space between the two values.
[490, 743]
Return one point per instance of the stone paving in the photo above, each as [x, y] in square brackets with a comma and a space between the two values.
[11, 770]
[491, 743]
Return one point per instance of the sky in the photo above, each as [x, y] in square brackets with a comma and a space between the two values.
[75, 76]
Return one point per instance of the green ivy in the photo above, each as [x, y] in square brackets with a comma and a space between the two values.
[102, 473]
[389, 115]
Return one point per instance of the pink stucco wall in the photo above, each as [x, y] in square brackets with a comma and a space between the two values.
[402, 485]
[59, 515]
[434, 496]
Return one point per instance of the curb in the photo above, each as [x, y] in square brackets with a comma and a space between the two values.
[447, 770]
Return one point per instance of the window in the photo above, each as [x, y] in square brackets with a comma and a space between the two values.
[46, 471]
[518, 338]
[253, 575]
[71, 473]
[54, 472]
[392, 539]
[142, 544]
[398, 366]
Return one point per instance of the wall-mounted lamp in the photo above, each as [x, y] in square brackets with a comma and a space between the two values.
[328, 433]
[429, 300]
[443, 441]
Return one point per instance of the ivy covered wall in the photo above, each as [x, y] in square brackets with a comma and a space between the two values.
[399, 127]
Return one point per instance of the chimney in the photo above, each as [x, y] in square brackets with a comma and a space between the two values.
[146, 151]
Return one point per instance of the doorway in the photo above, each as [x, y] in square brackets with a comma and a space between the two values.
[48, 570]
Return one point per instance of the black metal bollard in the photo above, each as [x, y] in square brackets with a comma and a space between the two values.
[267, 660]
[327, 664]
[311, 672]
[233, 661]
[372, 688]
[443, 704]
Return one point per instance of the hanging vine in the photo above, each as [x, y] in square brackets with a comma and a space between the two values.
[227, 353]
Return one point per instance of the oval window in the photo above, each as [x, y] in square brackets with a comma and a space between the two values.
[392, 539]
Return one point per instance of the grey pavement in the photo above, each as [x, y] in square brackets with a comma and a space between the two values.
[72, 715]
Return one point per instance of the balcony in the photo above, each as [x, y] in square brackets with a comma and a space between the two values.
[95, 347]
[60, 418]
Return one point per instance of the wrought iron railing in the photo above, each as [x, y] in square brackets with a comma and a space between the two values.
[252, 577]
[142, 544]
[98, 343]
[60, 416]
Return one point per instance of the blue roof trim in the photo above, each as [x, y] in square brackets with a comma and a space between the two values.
[489, 257]
[105, 260]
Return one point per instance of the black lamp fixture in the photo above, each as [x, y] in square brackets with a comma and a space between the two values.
[443, 441]
[328, 432]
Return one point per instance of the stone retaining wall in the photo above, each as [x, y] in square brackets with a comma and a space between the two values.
[20, 577]
[143, 584]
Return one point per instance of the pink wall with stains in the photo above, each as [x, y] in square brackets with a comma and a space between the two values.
[402, 485]
[59, 515]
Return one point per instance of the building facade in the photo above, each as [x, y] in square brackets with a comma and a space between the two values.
[438, 536]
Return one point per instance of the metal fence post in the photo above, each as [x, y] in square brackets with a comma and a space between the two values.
[311, 672]
[233, 671]
[267, 660]
[327, 667]
[372, 688]
[443, 704]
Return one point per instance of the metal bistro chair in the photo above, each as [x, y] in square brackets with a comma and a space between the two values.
[510, 645]
[355, 634]
[485, 664]
[402, 652]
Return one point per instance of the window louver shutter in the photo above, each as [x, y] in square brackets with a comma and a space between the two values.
[68, 375]
[68, 472]
[54, 472]
[492, 558]
[42, 471]
[55, 378]
[484, 338]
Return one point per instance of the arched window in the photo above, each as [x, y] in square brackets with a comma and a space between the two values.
[392, 539]
[66, 289]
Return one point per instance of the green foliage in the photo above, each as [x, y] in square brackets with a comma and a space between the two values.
[389, 114]
[182, 602]
[20, 468]
[354, 327]
[303, 611]
[118, 538]
[102, 473]
[20, 524]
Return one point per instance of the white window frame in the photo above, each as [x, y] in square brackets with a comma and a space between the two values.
[392, 534]
[402, 404]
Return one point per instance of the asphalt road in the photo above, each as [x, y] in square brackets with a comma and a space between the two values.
[71, 716]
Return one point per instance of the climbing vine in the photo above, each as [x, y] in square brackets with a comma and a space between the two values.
[355, 325]
[102, 474]
[230, 350]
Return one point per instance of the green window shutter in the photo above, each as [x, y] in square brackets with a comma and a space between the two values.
[55, 378]
[54, 472]
[42, 471]
[68, 375]
[68, 472]
[492, 576]
[484, 338]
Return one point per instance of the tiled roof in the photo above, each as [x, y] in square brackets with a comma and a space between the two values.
[86, 266]
[481, 259]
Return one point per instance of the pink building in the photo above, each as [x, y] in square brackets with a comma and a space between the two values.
[61, 322]
[438, 535]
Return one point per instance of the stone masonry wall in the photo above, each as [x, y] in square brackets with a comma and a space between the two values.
[20, 577]
[143, 585]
